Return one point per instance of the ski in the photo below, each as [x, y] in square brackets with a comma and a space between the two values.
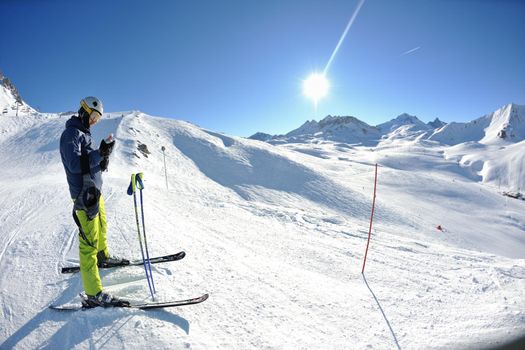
[144, 306]
[157, 260]
[149, 306]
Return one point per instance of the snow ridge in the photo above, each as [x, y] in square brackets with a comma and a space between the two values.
[10, 100]
[505, 124]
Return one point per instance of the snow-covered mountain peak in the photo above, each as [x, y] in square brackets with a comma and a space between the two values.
[436, 124]
[407, 118]
[335, 128]
[330, 121]
[10, 100]
[8, 85]
[309, 127]
[506, 124]
[402, 120]
[261, 136]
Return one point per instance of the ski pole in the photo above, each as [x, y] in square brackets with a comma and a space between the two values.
[140, 185]
[131, 191]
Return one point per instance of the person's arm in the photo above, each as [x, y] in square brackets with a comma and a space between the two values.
[105, 149]
[94, 158]
[72, 153]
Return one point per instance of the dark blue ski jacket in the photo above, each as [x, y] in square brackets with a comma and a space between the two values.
[78, 156]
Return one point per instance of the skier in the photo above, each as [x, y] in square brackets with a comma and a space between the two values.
[84, 166]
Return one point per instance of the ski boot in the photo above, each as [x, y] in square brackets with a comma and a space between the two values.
[108, 261]
[103, 299]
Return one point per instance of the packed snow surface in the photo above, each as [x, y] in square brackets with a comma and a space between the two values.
[275, 234]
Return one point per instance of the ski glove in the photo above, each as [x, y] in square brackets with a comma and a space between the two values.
[105, 148]
[88, 199]
[104, 163]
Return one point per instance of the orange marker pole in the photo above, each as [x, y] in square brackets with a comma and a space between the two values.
[371, 218]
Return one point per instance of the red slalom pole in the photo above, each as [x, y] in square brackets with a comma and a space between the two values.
[371, 218]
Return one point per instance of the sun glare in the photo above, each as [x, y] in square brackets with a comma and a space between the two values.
[315, 87]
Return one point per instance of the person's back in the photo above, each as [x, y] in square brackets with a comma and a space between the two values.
[75, 146]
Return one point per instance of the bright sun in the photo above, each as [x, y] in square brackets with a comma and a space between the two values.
[316, 87]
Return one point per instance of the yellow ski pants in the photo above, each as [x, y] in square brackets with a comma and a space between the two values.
[92, 240]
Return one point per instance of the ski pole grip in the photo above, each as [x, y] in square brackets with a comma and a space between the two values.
[136, 182]
[131, 187]
[139, 183]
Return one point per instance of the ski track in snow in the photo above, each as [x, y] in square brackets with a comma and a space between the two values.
[282, 262]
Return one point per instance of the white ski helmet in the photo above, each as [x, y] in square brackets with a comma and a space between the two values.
[93, 107]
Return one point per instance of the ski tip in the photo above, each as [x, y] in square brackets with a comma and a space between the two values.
[173, 257]
[66, 307]
[70, 269]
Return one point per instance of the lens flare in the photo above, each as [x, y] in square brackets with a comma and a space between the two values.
[343, 36]
[316, 87]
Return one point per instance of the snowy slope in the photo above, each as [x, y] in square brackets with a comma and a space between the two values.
[401, 129]
[505, 124]
[455, 133]
[276, 235]
[489, 148]
[8, 99]
[492, 147]
[500, 166]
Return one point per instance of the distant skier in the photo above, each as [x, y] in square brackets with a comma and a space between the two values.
[84, 166]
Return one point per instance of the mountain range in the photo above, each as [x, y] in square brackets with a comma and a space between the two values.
[504, 124]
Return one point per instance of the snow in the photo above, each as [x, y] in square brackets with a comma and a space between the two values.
[510, 120]
[501, 166]
[403, 120]
[8, 104]
[487, 129]
[342, 129]
[275, 234]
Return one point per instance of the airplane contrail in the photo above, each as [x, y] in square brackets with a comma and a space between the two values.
[350, 22]
[410, 51]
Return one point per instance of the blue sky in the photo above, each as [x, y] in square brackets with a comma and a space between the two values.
[237, 66]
